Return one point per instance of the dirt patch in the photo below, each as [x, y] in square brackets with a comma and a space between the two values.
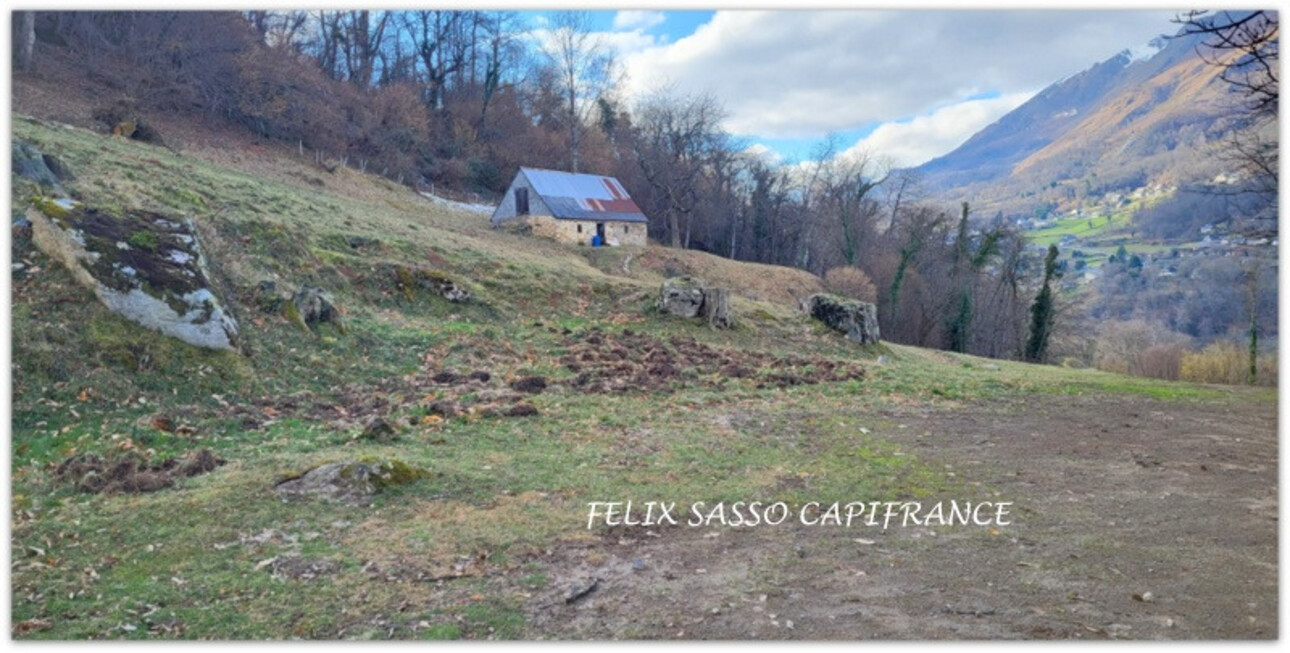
[606, 362]
[131, 472]
[1102, 546]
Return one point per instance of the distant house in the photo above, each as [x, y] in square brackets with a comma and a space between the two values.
[573, 208]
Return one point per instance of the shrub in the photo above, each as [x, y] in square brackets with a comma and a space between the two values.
[1140, 348]
[1227, 363]
[1160, 361]
[852, 282]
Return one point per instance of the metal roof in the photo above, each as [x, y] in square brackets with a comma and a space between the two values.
[583, 197]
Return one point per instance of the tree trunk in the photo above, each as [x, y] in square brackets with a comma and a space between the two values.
[26, 39]
[716, 308]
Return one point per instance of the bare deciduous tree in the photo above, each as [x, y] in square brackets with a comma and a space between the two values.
[674, 142]
[584, 65]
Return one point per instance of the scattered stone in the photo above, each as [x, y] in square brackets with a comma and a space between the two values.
[530, 384]
[145, 266]
[580, 590]
[857, 319]
[352, 483]
[312, 306]
[379, 430]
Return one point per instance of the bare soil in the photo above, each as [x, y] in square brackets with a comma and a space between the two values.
[1134, 518]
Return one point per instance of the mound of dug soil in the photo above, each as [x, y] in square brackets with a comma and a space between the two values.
[605, 362]
[131, 472]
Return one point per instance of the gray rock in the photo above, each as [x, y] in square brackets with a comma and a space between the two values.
[857, 319]
[352, 483]
[681, 296]
[312, 306]
[142, 265]
[29, 163]
[690, 297]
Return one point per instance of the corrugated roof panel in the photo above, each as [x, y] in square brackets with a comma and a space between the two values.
[569, 208]
[583, 197]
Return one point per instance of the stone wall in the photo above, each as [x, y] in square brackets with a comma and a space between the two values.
[567, 231]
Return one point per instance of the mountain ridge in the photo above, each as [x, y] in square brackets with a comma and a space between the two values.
[1120, 124]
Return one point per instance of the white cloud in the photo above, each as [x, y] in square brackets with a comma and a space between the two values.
[909, 143]
[801, 74]
[637, 19]
[760, 151]
[621, 44]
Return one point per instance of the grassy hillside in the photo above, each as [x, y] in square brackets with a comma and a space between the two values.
[776, 409]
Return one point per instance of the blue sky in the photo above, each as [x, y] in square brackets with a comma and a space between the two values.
[903, 85]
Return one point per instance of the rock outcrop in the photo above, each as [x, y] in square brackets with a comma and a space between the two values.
[29, 163]
[690, 297]
[857, 319]
[144, 266]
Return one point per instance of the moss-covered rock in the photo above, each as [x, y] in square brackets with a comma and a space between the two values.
[857, 319]
[311, 307]
[145, 266]
[411, 279]
[353, 483]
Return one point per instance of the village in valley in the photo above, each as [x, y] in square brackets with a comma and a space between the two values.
[445, 325]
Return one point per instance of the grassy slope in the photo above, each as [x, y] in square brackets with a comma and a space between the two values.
[187, 562]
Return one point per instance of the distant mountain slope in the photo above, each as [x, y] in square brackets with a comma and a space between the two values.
[1121, 124]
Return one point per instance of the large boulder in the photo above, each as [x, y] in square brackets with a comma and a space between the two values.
[144, 266]
[857, 319]
[681, 296]
[690, 297]
[29, 163]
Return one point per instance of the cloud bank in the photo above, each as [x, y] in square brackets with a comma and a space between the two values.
[917, 74]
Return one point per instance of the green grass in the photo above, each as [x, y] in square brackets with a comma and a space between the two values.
[1078, 227]
[190, 562]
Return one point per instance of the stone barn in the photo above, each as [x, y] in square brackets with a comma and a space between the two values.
[573, 208]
